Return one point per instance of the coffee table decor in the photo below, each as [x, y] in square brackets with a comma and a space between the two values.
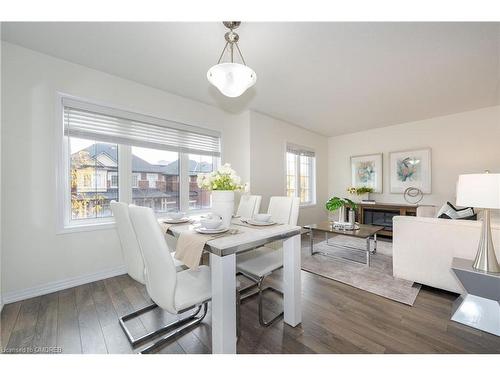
[365, 232]
[341, 205]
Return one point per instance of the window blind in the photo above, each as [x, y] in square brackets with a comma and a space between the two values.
[299, 150]
[105, 124]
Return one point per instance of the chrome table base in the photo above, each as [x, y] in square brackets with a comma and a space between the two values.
[368, 251]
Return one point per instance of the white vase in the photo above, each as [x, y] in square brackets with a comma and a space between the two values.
[223, 205]
[342, 211]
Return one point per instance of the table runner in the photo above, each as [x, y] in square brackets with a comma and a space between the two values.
[190, 248]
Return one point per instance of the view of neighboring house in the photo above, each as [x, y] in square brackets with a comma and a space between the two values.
[94, 172]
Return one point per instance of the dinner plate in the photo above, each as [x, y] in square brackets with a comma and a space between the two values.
[211, 231]
[175, 221]
[260, 223]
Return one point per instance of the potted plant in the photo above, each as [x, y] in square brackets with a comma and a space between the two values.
[222, 183]
[363, 191]
[336, 203]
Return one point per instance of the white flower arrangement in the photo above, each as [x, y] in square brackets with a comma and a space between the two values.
[225, 178]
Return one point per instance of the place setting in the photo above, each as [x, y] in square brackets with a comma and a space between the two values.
[213, 225]
[176, 217]
[258, 220]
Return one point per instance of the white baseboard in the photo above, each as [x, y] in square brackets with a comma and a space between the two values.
[55, 286]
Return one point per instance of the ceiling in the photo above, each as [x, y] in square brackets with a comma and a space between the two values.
[332, 78]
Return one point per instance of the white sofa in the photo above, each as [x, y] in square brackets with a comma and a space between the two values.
[423, 248]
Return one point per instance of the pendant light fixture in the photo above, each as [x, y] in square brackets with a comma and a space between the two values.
[232, 79]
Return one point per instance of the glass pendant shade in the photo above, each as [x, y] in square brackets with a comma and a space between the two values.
[231, 79]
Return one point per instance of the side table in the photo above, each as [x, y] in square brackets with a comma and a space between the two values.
[480, 306]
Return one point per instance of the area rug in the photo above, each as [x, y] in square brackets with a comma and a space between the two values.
[375, 279]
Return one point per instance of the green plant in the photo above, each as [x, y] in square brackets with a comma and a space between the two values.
[363, 190]
[335, 203]
[350, 204]
[359, 190]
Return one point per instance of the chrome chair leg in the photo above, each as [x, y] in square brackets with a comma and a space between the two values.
[252, 285]
[238, 314]
[261, 315]
[191, 320]
[258, 282]
[137, 341]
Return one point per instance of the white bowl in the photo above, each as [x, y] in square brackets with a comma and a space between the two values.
[176, 215]
[264, 218]
[213, 223]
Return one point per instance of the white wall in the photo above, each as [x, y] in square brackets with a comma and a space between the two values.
[268, 137]
[35, 257]
[1, 273]
[461, 143]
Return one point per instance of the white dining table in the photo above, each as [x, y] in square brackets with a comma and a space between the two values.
[223, 251]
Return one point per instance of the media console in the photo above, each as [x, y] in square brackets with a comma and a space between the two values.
[382, 213]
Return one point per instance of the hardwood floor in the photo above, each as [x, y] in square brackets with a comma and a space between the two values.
[337, 318]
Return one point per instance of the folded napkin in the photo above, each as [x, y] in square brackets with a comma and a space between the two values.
[165, 226]
[190, 248]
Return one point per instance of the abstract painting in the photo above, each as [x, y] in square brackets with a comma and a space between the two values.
[410, 169]
[366, 170]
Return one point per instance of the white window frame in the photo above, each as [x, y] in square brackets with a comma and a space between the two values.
[111, 175]
[138, 175]
[63, 221]
[312, 177]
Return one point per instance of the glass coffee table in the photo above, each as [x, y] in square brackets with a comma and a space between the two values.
[365, 231]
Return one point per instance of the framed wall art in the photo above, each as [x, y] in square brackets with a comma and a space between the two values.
[410, 169]
[366, 170]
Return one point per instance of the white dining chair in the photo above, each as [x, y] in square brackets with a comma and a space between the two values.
[259, 263]
[249, 206]
[175, 292]
[134, 263]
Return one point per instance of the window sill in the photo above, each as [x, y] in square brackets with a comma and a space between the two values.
[89, 227]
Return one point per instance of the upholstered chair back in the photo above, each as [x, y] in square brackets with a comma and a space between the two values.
[160, 274]
[249, 206]
[284, 210]
[130, 247]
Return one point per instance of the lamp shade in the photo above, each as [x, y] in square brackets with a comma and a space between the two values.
[480, 190]
[232, 79]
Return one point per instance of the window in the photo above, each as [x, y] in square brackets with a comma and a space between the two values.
[113, 179]
[300, 174]
[198, 198]
[161, 169]
[152, 178]
[89, 191]
[135, 180]
[162, 159]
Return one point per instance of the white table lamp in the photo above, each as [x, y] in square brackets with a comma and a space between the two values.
[482, 190]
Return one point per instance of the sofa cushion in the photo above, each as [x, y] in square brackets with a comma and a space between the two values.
[448, 211]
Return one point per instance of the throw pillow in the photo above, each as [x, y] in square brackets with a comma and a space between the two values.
[448, 211]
